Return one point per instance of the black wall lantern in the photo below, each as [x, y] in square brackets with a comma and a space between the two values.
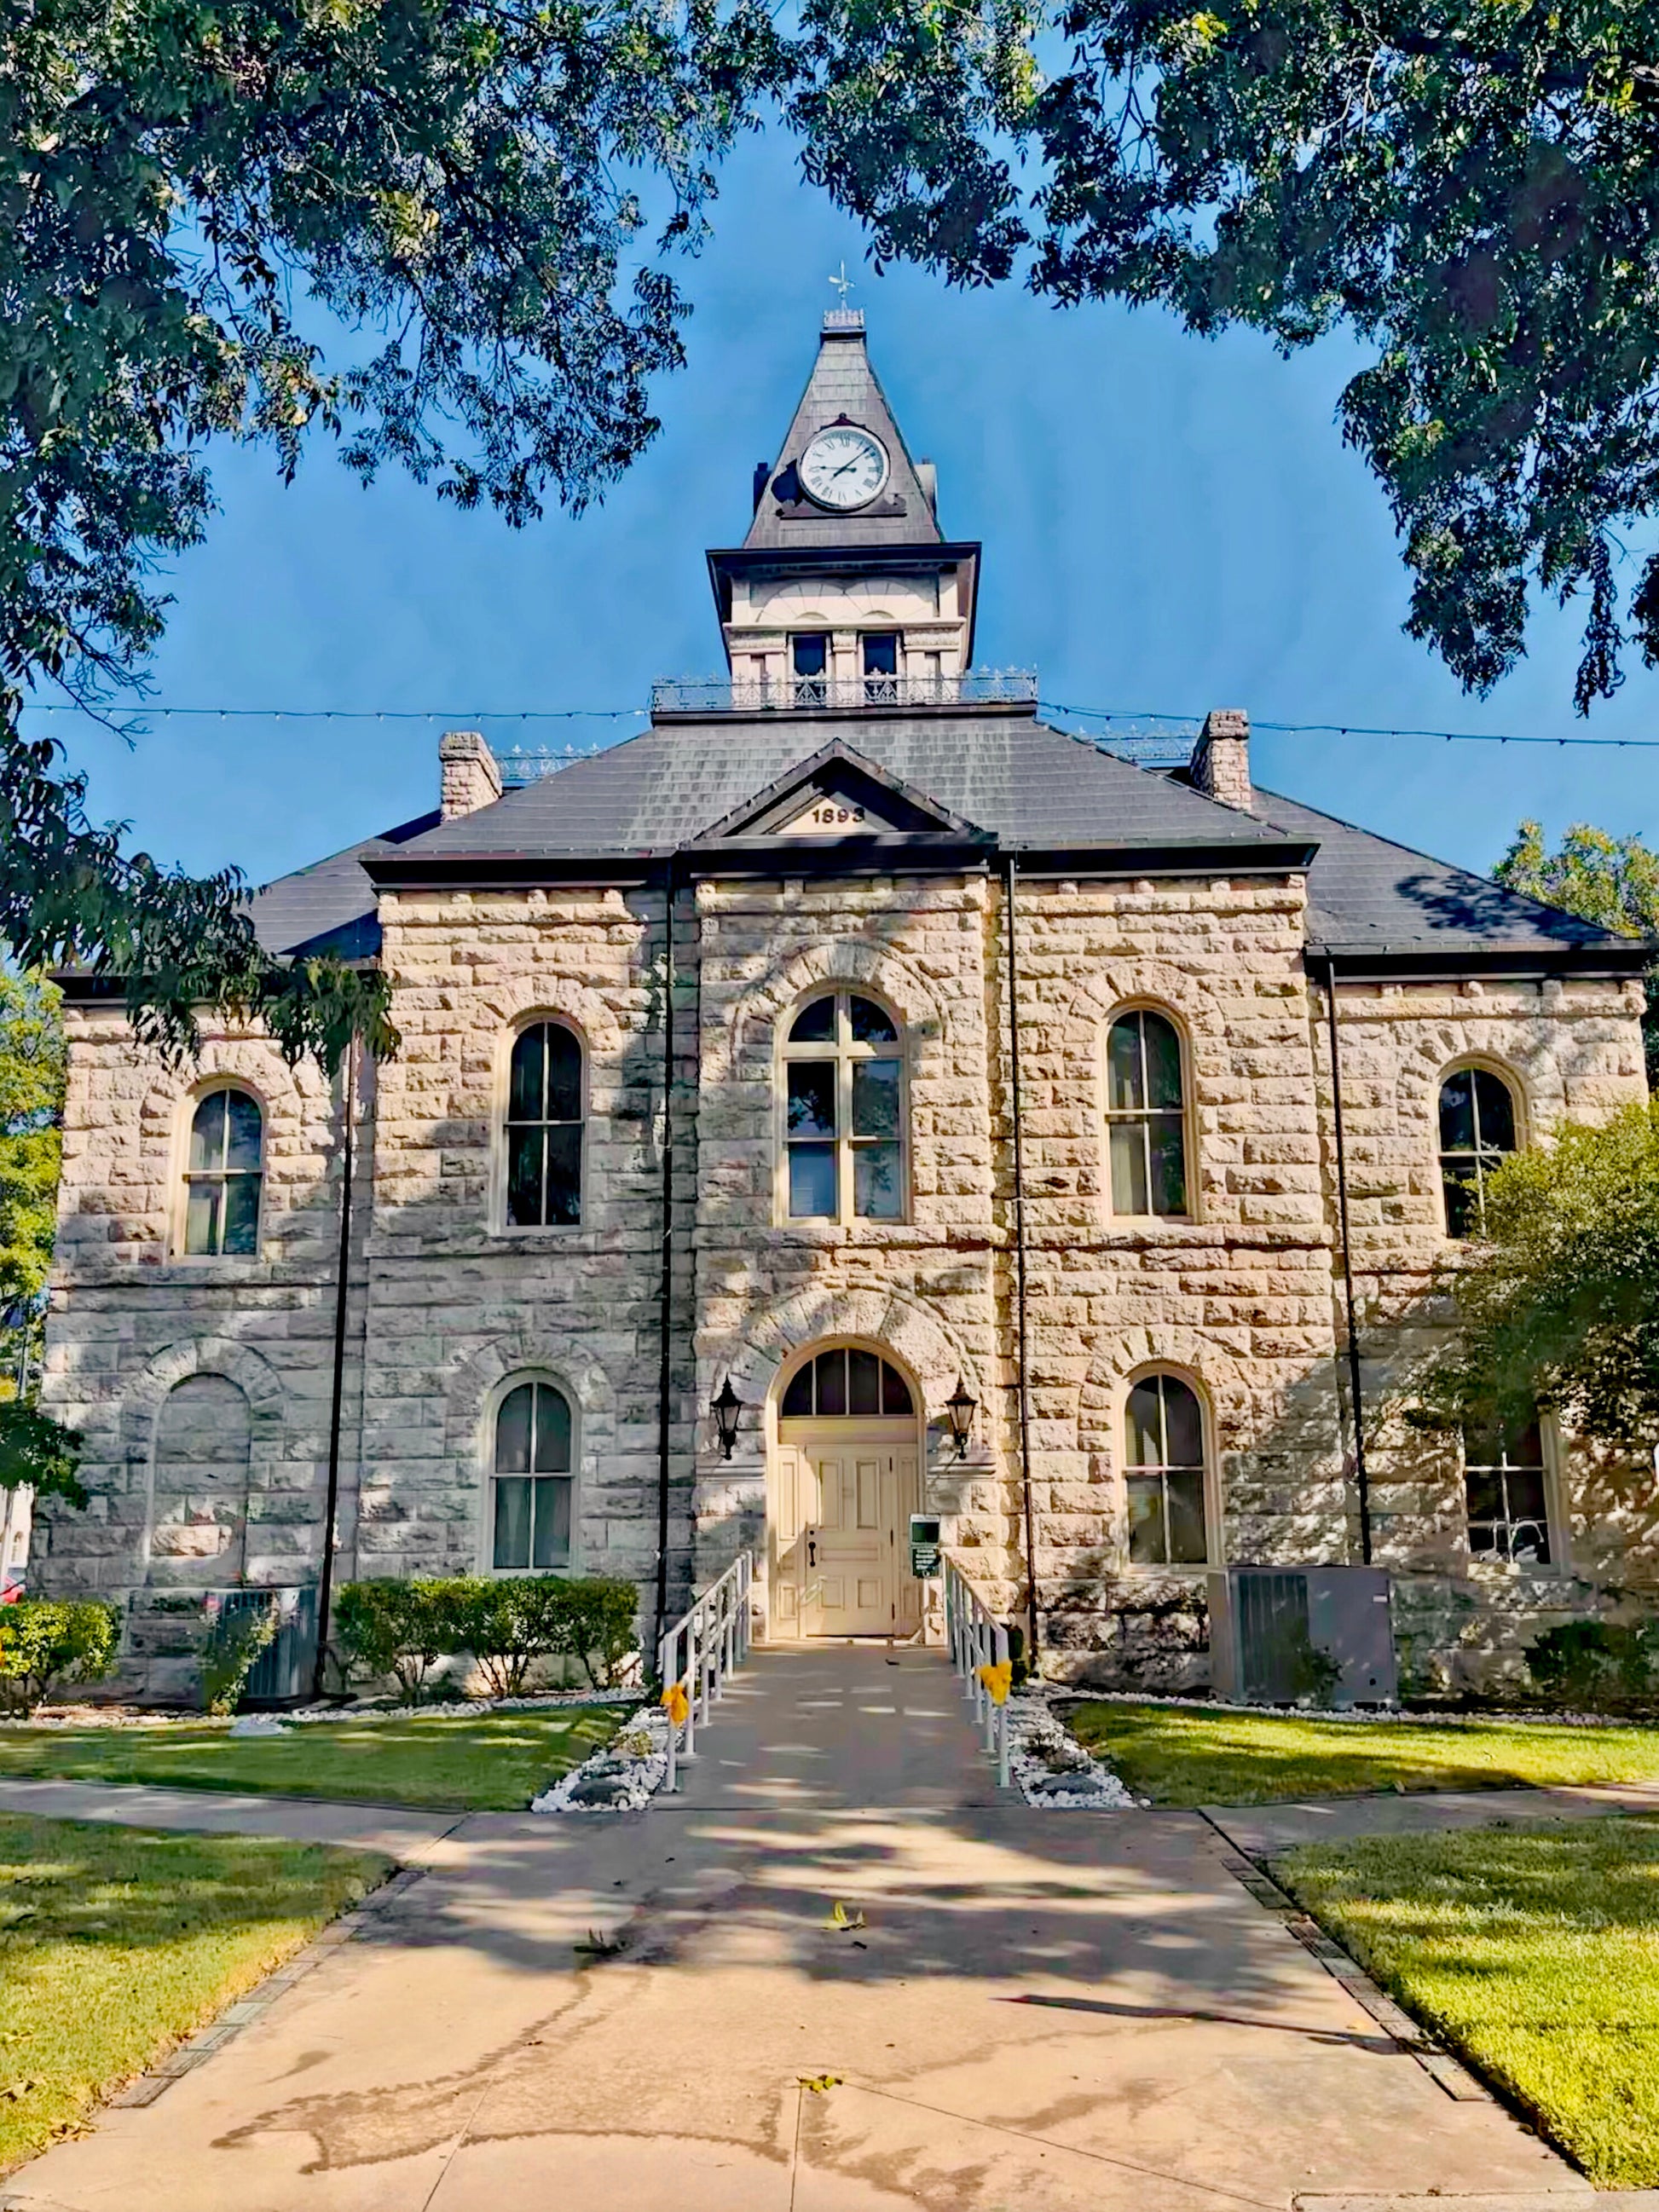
[725, 1408]
[960, 1407]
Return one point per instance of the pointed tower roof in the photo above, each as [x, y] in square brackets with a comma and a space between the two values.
[843, 388]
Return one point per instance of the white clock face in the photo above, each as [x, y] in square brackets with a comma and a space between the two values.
[843, 467]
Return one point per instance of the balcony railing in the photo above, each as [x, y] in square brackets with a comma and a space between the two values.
[794, 695]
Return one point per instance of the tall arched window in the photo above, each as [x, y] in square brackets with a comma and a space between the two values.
[531, 1484]
[545, 1128]
[1476, 1129]
[1163, 1465]
[843, 1112]
[224, 1176]
[1146, 1114]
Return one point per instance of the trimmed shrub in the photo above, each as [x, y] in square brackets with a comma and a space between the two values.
[1597, 1666]
[599, 1625]
[403, 1628]
[400, 1628]
[45, 1643]
[233, 1644]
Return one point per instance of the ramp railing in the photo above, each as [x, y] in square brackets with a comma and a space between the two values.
[978, 1644]
[708, 1642]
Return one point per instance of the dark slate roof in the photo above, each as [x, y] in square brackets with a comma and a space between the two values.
[330, 906]
[843, 383]
[1006, 775]
[1366, 894]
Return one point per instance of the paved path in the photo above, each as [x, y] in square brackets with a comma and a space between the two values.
[1262, 1830]
[402, 1831]
[1051, 2011]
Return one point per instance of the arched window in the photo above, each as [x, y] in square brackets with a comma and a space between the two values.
[1146, 1114]
[1163, 1464]
[1507, 1494]
[223, 1178]
[847, 1382]
[545, 1128]
[843, 1112]
[531, 1484]
[1476, 1129]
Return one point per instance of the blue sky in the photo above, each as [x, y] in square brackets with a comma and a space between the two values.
[1169, 524]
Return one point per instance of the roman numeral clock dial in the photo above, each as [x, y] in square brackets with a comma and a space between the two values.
[845, 467]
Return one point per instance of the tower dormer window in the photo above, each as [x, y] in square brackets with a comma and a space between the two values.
[809, 663]
[881, 660]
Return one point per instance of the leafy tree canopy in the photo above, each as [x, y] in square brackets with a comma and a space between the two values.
[1560, 1306]
[1611, 881]
[1469, 186]
[31, 1102]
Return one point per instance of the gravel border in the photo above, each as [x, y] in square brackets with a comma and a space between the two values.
[1052, 1768]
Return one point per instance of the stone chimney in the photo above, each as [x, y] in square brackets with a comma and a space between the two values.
[1221, 760]
[470, 777]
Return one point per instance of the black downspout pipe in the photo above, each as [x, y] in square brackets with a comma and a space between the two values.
[1020, 1262]
[325, 1579]
[665, 1333]
[1362, 1480]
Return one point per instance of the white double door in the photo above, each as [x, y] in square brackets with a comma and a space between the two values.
[841, 1496]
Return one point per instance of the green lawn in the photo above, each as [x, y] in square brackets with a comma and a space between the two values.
[493, 1761]
[1180, 1755]
[1532, 1951]
[115, 1944]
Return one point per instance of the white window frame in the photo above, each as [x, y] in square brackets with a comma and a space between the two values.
[1555, 1516]
[501, 1098]
[841, 1054]
[1479, 1064]
[190, 1104]
[498, 1397]
[1109, 1115]
[1214, 1550]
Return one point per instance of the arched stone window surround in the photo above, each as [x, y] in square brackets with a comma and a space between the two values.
[784, 1052]
[501, 1083]
[141, 1413]
[476, 1387]
[1489, 1064]
[1075, 1033]
[497, 1396]
[1142, 1004]
[287, 1098]
[188, 1105]
[928, 1025]
[1218, 1381]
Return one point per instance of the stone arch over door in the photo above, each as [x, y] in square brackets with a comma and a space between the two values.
[199, 1483]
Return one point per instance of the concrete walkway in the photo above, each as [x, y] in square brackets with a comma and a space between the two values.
[1046, 2010]
[1262, 1829]
[403, 1831]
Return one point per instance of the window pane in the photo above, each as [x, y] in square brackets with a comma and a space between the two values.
[812, 1106]
[1143, 1434]
[876, 1176]
[809, 653]
[1128, 1148]
[1457, 1112]
[894, 1391]
[869, 1024]
[243, 1117]
[880, 654]
[1485, 1539]
[552, 1431]
[523, 1177]
[1525, 1447]
[202, 1218]
[863, 1382]
[875, 1098]
[1462, 1200]
[1147, 1546]
[564, 1172]
[1183, 1425]
[798, 1398]
[1124, 1087]
[512, 1544]
[812, 1183]
[832, 1381]
[564, 1075]
[1186, 1508]
[1162, 1061]
[525, 1090]
[1529, 1515]
[1166, 1141]
[551, 1547]
[1494, 1105]
[815, 1025]
[207, 1133]
[513, 1431]
[241, 1213]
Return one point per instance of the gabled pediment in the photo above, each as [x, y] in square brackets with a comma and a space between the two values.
[839, 794]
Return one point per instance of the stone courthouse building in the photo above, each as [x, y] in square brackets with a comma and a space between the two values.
[847, 1036]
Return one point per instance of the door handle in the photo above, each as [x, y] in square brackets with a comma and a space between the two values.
[811, 1547]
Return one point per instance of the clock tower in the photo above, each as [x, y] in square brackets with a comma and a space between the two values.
[845, 594]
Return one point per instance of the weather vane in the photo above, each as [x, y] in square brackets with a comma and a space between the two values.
[843, 284]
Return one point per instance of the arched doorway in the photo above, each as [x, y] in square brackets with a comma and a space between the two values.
[842, 1482]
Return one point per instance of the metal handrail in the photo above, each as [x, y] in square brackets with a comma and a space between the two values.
[976, 1638]
[973, 687]
[715, 1632]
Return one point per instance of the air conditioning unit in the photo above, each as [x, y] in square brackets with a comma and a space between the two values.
[1285, 1636]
